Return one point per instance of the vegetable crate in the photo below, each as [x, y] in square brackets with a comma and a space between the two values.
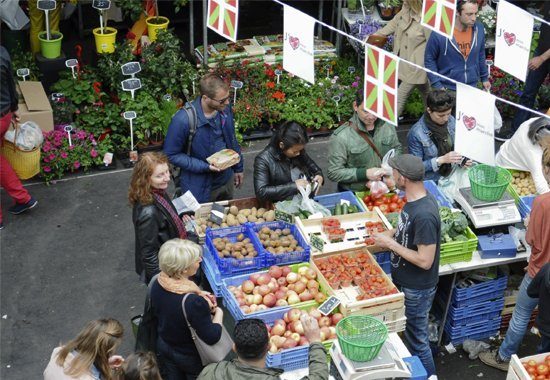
[525, 180]
[330, 201]
[517, 371]
[477, 330]
[354, 224]
[442, 200]
[525, 204]
[293, 358]
[234, 266]
[458, 251]
[244, 203]
[488, 310]
[388, 203]
[483, 291]
[269, 315]
[387, 308]
[384, 260]
[286, 257]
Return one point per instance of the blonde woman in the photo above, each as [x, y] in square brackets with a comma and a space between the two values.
[178, 357]
[89, 356]
[141, 366]
[410, 39]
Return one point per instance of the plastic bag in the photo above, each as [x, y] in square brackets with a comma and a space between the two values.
[28, 136]
[388, 170]
[378, 188]
[474, 348]
[297, 203]
[518, 236]
[457, 179]
[497, 120]
[309, 204]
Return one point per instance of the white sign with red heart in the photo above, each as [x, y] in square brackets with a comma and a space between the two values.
[474, 130]
[513, 39]
[298, 44]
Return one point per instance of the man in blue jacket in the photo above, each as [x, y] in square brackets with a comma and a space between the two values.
[214, 131]
[463, 57]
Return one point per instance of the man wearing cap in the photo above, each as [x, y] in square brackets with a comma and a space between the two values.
[415, 253]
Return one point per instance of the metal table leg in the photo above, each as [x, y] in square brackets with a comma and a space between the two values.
[444, 318]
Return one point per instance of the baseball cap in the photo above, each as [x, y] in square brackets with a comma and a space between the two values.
[408, 166]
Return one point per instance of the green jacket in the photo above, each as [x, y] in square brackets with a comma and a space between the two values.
[236, 370]
[350, 155]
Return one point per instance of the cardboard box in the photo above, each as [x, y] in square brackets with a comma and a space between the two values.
[34, 105]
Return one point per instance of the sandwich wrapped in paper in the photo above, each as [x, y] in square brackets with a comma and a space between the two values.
[224, 159]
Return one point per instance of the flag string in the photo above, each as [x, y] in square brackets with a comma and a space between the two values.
[365, 44]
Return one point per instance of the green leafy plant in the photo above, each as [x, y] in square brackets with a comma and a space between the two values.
[24, 59]
[134, 8]
[99, 118]
[148, 125]
[414, 108]
[108, 66]
[81, 90]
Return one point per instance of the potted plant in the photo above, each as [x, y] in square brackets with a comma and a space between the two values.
[105, 39]
[156, 23]
[50, 47]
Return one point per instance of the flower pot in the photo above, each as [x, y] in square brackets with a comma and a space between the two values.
[105, 43]
[386, 12]
[50, 48]
[155, 23]
[396, 10]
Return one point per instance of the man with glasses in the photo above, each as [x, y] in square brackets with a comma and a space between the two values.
[214, 130]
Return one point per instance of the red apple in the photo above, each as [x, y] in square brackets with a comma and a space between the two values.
[303, 341]
[324, 322]
[320, 297]
[245, 309]
[275, 271]
[299, 287]
[297, 327]
[305, 296]
[280, 322]
[337, 317]
[273, 286]
[315, 313]
[291, 286]
[264, 279]
[262, 307]
[281, 281]
[269, 300]
[286, 318]
[292, 277]
[304, 279]
[257, 299]
[295, 336]
[281, 302]
[326, 332]
[278, 330]
[254, 278]
[281, 295]
[287, 334]
[312, 284]
[302, 270]
[286, 270]
[290, 343]
[293, 298]
[273, 348]
[249, 299]
[253, 308]
[248, 286]
[263, 290]
[241, 301]
[311, 274]
[332, 332]
[294, 315]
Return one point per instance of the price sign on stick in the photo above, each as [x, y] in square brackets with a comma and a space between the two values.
[216, 213]
[131, 85]
[336, 99]
[55, 96]
[489, 63]
[68, 129]
[284, 217]
[130, 115]
[193, 79]
[131, 68]
[167, 97]
[330, 304]
[317, 242]
[23, 73]
[236, 84]
[351, 69]
[278, 72]
[46, 5]
[327, 68]
[72, 64]
[101, 5]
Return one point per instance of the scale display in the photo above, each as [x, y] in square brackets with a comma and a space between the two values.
[488, 214]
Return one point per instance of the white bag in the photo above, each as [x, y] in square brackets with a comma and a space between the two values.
[12, 14]
[27, 137]
[457, 179]
[497, 120]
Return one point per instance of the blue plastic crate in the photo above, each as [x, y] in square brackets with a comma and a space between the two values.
[474, 313]
[382, 257]
[486, 325]
[432, 188]
[475, 336]
[331, 200]
[287, 257]
[231, 266]
[269, 315]
[417, 370]
[525, 204]
[482, 291]
[386, 267]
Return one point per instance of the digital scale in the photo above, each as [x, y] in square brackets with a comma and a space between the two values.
[386, 365]
[487, 214]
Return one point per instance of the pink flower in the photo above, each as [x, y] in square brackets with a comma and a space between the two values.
[71, 147]
[76, 164]
[57, 142]
[47, 169]
[52, 156]
[93, 153]
[64, 155]
[81, 135]
[46, 159]
[46, 148]
[355, 84]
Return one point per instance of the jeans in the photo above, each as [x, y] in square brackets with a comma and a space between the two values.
[544, 345]
[175, 365]
[534, 80]
[520, 319]
[418, 303]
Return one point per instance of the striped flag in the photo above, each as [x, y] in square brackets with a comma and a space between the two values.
[223, 16]
[439, 16]
[381, 84]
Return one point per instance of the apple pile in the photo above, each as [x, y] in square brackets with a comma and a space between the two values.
[279, 286]
[346, 270]
[540, 370]
[288, 332]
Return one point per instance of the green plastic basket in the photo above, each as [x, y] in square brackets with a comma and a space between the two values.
[361, 337]
[488, 183]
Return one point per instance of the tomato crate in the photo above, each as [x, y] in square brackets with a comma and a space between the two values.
[459, 316]
[233, 266]
[516, 370]
[458, 251]
[386, 200]
[483, 291]
[525, 204]
[387, 308]
[331, 200]
[268, 315]
[354, 224]
[286, 257]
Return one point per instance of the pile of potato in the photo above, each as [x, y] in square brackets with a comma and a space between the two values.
[236, 217]
[279, 241]
[241, 249]
[523, 183]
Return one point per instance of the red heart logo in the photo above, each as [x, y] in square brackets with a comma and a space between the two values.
[510, 38]
[469, 122]
[294, 42]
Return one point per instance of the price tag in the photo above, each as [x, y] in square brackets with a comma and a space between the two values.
[73, 62]
[336, 98]
[130, 68]
[101, 5]
[351, 69]
[284, 216]
[216, 213]
[278, 72]
[489, 62]
[329, 305]
[23, 72]
[133, 155]
[56, 96]
[167, 97]
[317, 242]
[129, 115]
[108, 159]
[345, 202]
[236, 84]
[46, 5]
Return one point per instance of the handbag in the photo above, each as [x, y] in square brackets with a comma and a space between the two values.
[209, 353]
[25, 163]
[144, 325]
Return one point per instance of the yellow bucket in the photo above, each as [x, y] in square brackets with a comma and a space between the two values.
[153, 27]
[105, 43]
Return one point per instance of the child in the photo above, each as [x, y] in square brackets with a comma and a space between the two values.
[141, 366]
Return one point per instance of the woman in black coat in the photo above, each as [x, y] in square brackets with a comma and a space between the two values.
[284, 165]
[155, 218]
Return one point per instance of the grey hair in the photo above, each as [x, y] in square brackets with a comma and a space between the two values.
[539, 129]
[177, 255]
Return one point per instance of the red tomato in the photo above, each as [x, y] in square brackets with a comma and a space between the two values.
[384, 208]
[378, 202]
[532, 363]
[393, 206]
[540, 377]
[542, 369]
[532, 370]
[366, 199]
[369, 224]
[404, 199]
[370, 204]
[394, 198]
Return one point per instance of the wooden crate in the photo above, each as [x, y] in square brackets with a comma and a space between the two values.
[516, 371]
[388, 308]
[354, 224]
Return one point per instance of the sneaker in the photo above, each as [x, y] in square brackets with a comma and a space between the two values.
[504, 135]
[492, 359]
[19, 208]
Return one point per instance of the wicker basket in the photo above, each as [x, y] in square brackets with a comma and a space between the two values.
[26, 164]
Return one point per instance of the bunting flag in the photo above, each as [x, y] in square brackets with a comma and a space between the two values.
[223, 16]
[513, 39]
[298, 44]
[381, 84]
[439, 16]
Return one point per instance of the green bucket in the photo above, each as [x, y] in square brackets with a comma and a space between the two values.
[50, 48]
[488, 183]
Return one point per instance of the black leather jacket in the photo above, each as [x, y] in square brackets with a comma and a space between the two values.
[272, 178]
[153, 226]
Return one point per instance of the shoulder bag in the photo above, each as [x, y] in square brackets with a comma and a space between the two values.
[209, 353]
[366, 137]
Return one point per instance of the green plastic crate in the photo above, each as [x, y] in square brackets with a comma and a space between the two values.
[458, 251]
